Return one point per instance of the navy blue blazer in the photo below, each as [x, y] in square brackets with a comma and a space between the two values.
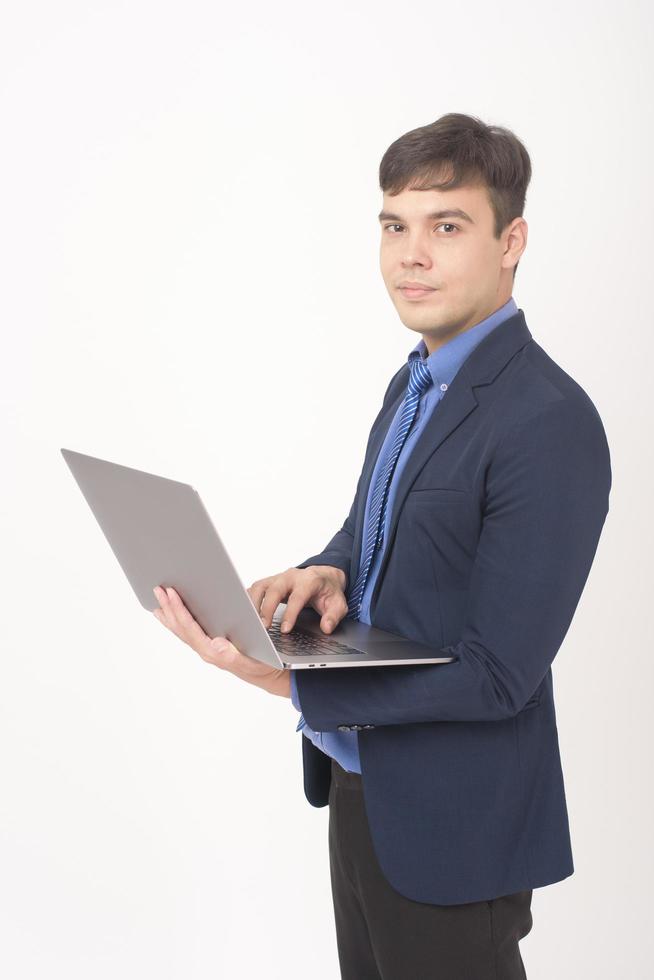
[495, 526]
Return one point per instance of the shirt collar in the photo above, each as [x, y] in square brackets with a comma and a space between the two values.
[446, 361]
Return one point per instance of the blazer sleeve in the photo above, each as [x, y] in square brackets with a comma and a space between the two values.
[546, 500]
[338, 551]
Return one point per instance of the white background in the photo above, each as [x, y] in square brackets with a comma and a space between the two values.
[189, 284]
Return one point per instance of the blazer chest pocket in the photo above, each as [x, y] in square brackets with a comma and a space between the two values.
[435, 495]
[440, 532]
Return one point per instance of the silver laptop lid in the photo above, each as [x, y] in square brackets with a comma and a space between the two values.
[161, 534]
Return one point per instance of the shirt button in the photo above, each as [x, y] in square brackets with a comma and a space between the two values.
[443, 387]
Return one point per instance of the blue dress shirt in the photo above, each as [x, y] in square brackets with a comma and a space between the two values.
[443, 365]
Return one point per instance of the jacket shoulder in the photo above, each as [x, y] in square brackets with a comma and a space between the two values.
[536, 383]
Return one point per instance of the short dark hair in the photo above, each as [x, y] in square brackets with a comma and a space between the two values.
[457, 149]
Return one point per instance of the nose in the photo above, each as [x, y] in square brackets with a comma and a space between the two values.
[416, 251]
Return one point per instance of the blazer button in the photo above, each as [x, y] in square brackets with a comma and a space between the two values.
[368, 726]
[343, 728]
[356, 728]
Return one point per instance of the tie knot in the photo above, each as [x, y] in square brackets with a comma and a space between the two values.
[421, 377]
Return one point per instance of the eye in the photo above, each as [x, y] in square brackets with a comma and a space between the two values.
[445, 224]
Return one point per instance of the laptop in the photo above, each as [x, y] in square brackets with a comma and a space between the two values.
[161, 534]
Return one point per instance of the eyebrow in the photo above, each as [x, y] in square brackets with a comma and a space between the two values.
[446, 213]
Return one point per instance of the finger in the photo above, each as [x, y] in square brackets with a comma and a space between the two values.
[164, 608]
[335, 608]
[298, 599]
[276, 592]
[257, 591]
[171, 609]
[189, 627]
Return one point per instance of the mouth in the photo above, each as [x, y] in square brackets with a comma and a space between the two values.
[418, 292]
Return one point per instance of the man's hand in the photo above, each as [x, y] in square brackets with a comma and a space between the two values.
[218, 651]
[321, 586]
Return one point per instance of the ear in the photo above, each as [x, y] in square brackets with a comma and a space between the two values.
[516, 242]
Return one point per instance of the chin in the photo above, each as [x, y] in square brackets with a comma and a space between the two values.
[422, 328]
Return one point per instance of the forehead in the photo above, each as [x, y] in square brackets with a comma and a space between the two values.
[418, 204]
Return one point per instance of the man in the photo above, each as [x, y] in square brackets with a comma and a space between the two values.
[476, 519]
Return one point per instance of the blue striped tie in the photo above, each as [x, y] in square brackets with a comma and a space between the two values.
[419, 381]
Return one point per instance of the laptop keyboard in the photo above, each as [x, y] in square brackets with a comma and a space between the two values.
[300, 643]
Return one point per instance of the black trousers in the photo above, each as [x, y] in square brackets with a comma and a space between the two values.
[383, 935]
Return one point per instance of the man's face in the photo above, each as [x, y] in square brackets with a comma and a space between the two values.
[470, 272]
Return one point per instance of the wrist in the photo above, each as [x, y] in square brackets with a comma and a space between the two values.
[279, 685]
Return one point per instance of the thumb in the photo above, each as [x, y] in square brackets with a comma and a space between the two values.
[223, 650]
